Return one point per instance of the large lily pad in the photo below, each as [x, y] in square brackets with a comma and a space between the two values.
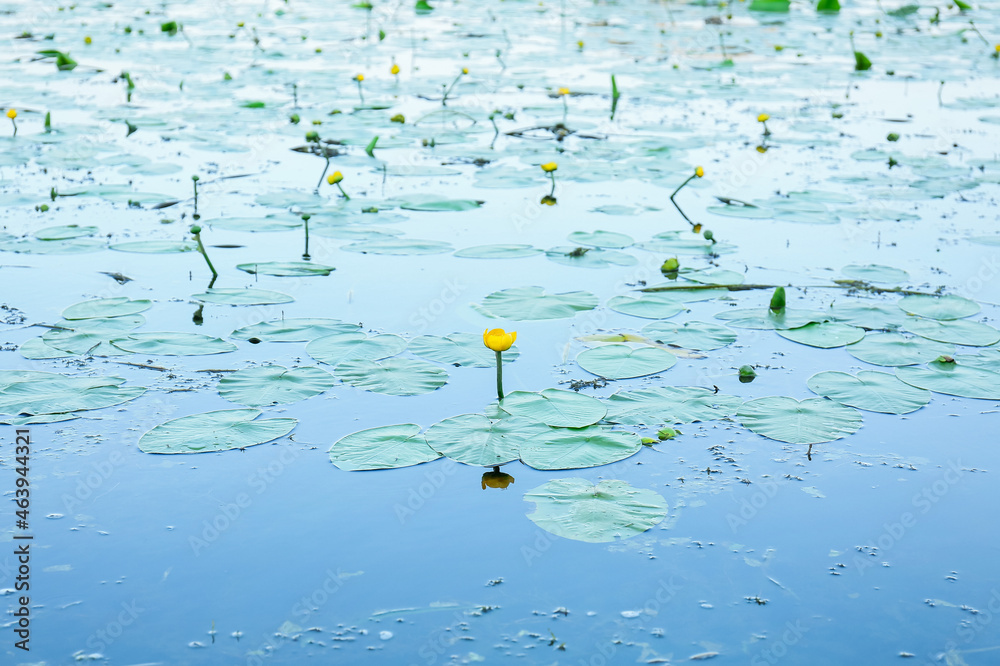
[293, 330]
[623, 362]
[51, 393]
[224, 296]
[825, 335]
[765, 319]
[555, 407]
[385, 447]
[608, 239]
[503, 251]
[274, 385]
[893, 349]
[286, 268]
[670, 404]
[399, 246]
[474, 439]
[173, 344]
[953, 379]
[647, 306]
[869, 390]
[939, 307]
[392, 376]
[92, 336]
[957, 331]
[700, 335]
[106, 307]
[459, 349]
[155, 246]
[577, 448]
[592, 258]
[339, 347]
[808, 421]
[867, 314]
[214, 431]
[533, 303]
[876, 273]
[576, 509]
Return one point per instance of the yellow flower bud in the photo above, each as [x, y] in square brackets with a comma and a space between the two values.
[12, 113]
[762, 118]
[87, 40]
[700, 172]
[359, 77]
[394, 69]
[549, 167]
[564, 91]
[335, 178]
[498, 339]
[465, 70]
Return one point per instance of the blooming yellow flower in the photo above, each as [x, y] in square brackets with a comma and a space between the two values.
[549, 167]
[87, 40]
[763, 118]
[335, 178]
[700, 172]
[997, 47]
[359, 77]
[394, 69]
[564, 91]
[12, 113]
[498, 339]
[465, 70]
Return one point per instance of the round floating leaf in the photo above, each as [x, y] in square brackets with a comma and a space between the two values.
[669, 405]
[717, 276]
[385, 447]
[214, 431]
[67, 246]
[647, 306]
[867, 314]
[431, 203]
[274, 385]
[64, 232]
[939, 307]
[870, 391]
[286, 268]
[474, 439]
[222, 296]
[953, 379]
[577, 448]
[825, 335]
[173, 344]
[672, 242]
[589, 257]
[533, 303]
[895, 349]
[511, 251]
[987, 359]
[764, 318]
[577, 509]
[254, 224]
[399, 246]
[808, 421]
[957, 331]
[393, 376]
[623, 362]
[50, 393]
[609, 239]
[36, 349]
[339, 347]
[700, 335]
[876, 273]
[293, 330]
[459, 349]
[554, 407]
[155, 246]
[92, 336]
[106, 307]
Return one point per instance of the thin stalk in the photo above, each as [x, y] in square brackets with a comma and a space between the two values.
[305, 221]
[194, 180]
[552, 175]
[201, 249]
[323, 175]
[499, 377]
[679, 188]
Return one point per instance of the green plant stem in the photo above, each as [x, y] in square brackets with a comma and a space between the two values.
[499, 376]
[195, 215]
[552, 175]
[201, 249]
[447, 92]
[14, 123]
[360, 93]
[323, 175]
[342, 192]
[679, 188]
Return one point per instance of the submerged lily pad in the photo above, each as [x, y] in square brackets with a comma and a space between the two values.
[939, 307]
[953, 379]
[670, 404]
[577, 509]
[555, 407]
[893, 349]
[459, 349]
[534, 303]
[592, 258]
[957, 331]
[578, 448]
[173, 344]
[274, 385]
[623, 362]
[293, 330]
[106, 307]
[399, 246]
[867, 314]
[339, 347]
[474, 439]
[608, 239]
[64, 232]
[435, 204]
[385, 447]
[254, 224]
[825, 335]
[51, 393]
[509, 251]
[214, 431]
[764, 318]
[869, 390]
[808, 421]
[223, 296]
[876, 273]
[92, 336]
[392, 376]
[700, 335]
[155, 246]
[648, 306]
[286, 268]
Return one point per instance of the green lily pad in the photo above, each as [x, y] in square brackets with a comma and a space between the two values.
[385, 447]
[173, 344]
[51, 393]
[431, 203]
[673, 242]
[555, 407]
[286, 268]
[36, 349]
[939, 307]
[67, 246]
[392, 376]
[623, 362]
[765, 319]
[399, 246]
[953, 379]
[293, 330]
[459, 349]
[987, 359]
[509, 251]
[64, 232]
[825, 335]
[224, 296]
[669, 405]
[867, 314]
[214, 431]
[717, 276]
[274, 385]
[956, 331]
[254, 224]
[577, 448]
[534, 303]
[592, 258]
[474, 439]
[893, 349]
[106, 307]
[808, 421]
[576, 509]
[92, 336]
[699, 335]
[340, 347]
[648, 306]
[876, 273]
[155, 246]
[870, 391]
[608, 239]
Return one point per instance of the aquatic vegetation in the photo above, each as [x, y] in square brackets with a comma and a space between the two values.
[336, 178]
[699, 172]
[196, 233]
[499, 341]
[12, 114]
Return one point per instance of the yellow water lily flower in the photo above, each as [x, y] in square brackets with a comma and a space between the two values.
[549, 167]
[394, 69]
[359, 77]
[498, 339]
[12, 113]
[763, 118]
[699, 171]
[335, 178]
[563, 91]
[465, 70]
